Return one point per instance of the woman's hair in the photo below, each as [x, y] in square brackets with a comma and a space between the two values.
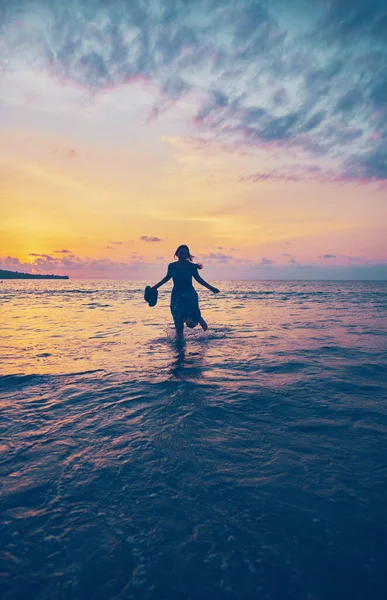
[190, 256]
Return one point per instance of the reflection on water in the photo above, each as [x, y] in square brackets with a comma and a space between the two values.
[57, 327]
[179, 361]
[187, 364]
[244, 462]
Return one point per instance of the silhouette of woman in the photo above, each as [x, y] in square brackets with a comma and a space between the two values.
[184, 297]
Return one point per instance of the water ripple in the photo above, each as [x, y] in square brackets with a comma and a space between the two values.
[247, 462]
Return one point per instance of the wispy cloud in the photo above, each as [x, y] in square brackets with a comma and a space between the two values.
[12, 263]
[216, 256]
[255, 80]
[43, 263]
[69, 153]
[147, 238]
[77, 266]
[44, 256]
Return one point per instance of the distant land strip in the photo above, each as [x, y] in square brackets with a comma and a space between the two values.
[17, 275]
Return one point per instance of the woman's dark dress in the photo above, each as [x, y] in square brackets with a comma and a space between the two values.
[184, 297]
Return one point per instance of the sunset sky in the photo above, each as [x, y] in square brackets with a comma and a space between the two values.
[253, 131]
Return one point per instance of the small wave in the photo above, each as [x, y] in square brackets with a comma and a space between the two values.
[61, 292]
[287, 294]
[82, 373]
[8, 382]
[285, 367]
[11, 381]
[96, 305]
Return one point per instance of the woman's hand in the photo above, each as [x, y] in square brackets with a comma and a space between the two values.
[215, 290]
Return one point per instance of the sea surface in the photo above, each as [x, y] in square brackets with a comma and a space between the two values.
[248, 463]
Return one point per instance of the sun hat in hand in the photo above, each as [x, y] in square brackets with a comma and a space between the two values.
[150, 296]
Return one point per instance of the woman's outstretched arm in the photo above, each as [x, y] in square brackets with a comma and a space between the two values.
[205, 284]
[160, 283]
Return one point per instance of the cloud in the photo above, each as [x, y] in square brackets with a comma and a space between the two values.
[171, 91]
[349, 101]
[370, 166]
[63, 251]
[328, 256]
[116, 243]
[217, 256]
[146, 238]
[259, 78]
[45, 264]
[346, 20]
[76, 266]
[11, 263]
[355, 170]
[44, 256]
[69, 153]
[274, 175]
[354, 258]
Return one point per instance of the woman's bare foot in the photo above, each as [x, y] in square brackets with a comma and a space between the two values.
[203, 324]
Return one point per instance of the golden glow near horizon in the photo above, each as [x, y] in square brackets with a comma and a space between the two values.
[118, 198]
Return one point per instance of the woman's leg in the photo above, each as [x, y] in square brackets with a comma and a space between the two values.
[179, 331]
[203, 324]
[177, 315]
[193, 311]
[191, 323]
[179, 325]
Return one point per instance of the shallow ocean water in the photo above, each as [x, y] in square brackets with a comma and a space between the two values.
[250, 462]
